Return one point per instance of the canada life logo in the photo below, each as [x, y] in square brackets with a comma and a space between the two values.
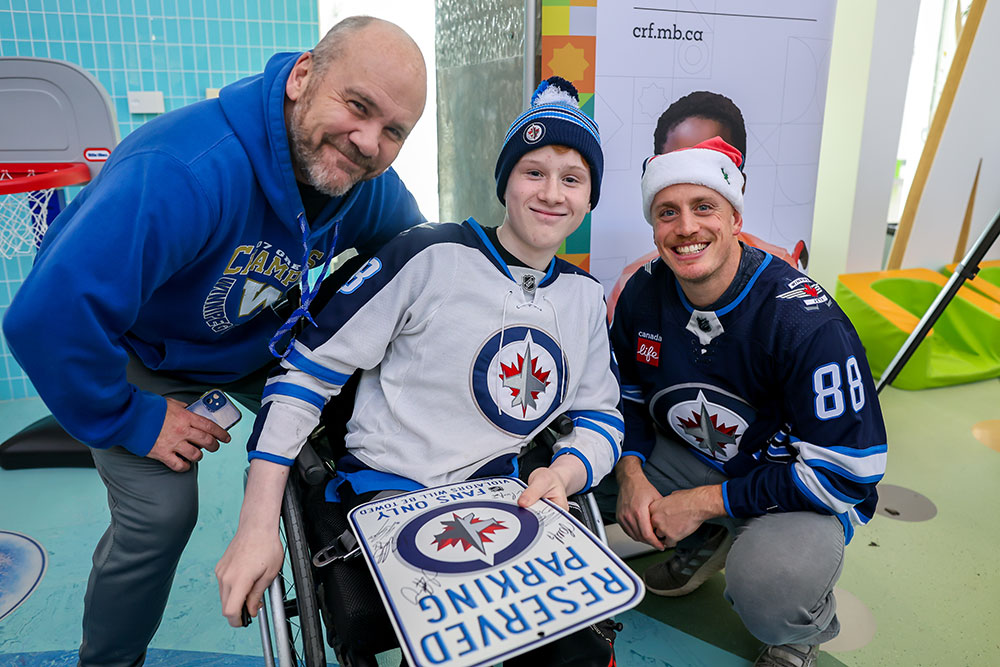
[647, 349]
[96, 154]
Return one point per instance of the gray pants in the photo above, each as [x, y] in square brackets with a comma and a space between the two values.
[153, 512]
[782, 568]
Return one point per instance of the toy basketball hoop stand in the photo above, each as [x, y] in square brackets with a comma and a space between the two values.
[57, 129]
[27, 204]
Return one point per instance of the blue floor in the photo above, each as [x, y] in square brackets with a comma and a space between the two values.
[66, 511]
[916, 592]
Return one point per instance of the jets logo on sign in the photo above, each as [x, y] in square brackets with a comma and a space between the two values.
[709, 419]
[467, 537]
[519, 385]
[468, 532]
[534, 133]
[809, 294]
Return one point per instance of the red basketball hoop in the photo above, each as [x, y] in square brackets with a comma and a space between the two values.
[25, 191]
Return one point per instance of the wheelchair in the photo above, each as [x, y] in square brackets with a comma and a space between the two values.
[340, 595]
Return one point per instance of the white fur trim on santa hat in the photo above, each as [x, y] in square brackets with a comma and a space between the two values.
[699, 166]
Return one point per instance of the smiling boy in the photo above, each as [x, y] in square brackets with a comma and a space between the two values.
[471, 342]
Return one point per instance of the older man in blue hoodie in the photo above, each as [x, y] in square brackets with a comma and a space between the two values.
[157, 283]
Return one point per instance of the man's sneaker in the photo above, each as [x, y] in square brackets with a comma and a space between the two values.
[788, 655]
[689, 567]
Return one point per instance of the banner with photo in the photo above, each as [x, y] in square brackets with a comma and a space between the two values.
[770, 57]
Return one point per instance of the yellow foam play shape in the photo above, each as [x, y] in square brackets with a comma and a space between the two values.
[885, 307]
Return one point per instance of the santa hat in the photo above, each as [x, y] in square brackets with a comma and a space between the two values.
[713, 164]
[553, 119]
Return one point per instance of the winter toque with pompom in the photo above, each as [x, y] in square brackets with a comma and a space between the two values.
[553, 119]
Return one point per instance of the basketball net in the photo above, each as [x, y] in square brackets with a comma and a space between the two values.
[23, 219]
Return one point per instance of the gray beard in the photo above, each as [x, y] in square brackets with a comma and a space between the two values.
[308, 162]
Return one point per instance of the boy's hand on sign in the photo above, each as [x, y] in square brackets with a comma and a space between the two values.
[544, 483]
[566, 475]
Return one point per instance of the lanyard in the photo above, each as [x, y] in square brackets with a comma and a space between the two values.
[307, 293]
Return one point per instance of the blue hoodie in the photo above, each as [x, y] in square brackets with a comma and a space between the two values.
[174, 253]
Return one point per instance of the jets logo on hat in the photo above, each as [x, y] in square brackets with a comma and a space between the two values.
[534, 133]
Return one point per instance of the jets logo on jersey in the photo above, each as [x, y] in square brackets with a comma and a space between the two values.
[809, 294]
[467, 537]
[519, 385]
[526, 380]
[707, 418]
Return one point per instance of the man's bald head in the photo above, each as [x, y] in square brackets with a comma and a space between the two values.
[368, 32]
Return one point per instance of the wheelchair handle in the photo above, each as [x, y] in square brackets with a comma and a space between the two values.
[310, 466]
[560, 426]
[563, 424]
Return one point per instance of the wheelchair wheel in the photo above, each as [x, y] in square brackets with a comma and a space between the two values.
[305, 630]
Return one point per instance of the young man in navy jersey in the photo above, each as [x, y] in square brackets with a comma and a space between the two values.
[748, 404]
[471, 342]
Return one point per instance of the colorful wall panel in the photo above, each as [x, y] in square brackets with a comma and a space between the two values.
[569, 50]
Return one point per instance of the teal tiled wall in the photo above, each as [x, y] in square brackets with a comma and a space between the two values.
[178, 47]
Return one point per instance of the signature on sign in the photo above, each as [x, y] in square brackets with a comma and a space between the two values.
[422, 585]
[384, 542]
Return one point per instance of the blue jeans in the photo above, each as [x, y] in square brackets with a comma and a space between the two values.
[782, 568]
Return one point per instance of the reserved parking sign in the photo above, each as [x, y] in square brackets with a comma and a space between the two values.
[469, 578]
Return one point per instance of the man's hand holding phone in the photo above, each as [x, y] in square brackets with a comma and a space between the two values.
[215, 405]
[185, 433]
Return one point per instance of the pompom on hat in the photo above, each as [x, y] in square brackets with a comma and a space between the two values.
[553, 119]
[713, 164]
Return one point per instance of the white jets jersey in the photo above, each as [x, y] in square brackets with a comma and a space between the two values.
[463, 363]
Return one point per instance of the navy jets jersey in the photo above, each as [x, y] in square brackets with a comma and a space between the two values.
[772, 389]
[463, 364]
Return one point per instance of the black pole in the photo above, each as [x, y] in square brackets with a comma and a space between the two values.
[967, 268]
